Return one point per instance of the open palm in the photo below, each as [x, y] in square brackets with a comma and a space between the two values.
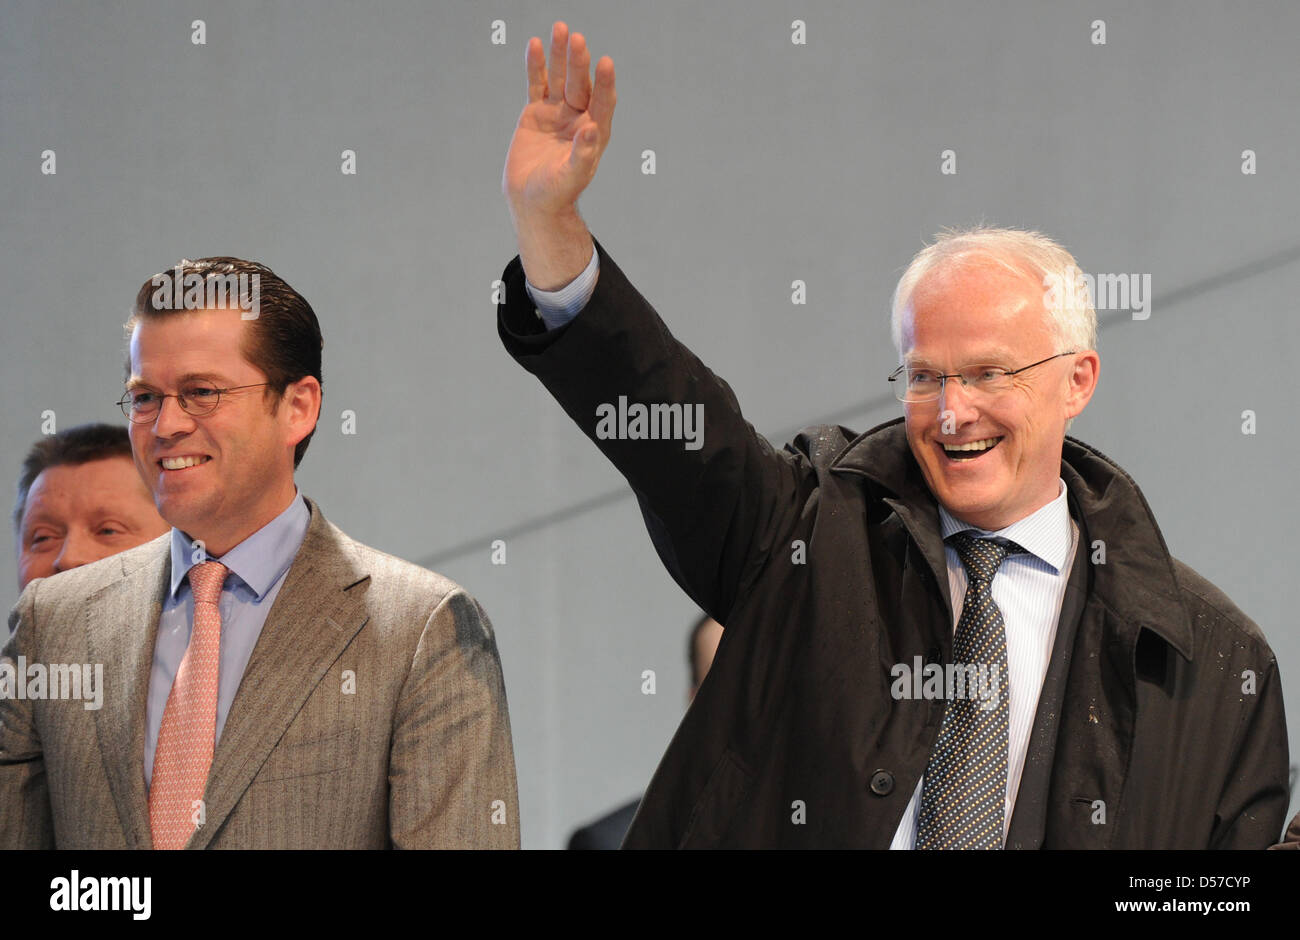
[564, 128]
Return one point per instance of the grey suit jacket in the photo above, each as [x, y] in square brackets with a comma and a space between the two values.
[372, 712]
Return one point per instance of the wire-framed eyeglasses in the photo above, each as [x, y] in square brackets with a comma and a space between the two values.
[913, 385]
[141, 405]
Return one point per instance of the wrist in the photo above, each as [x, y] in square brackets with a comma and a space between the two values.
[532, 221]
[554, 247]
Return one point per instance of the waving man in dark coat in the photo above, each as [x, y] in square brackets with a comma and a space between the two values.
[961, 629]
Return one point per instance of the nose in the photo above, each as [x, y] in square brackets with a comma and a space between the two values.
[959, 400]
[172, 419]
[78, 549]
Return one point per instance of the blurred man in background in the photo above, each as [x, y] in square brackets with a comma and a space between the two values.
[608, 831]
[80, 499]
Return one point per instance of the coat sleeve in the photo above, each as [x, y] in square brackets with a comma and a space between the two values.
[717, 508]
[26, 820]
[451, 768]
[1252, 807]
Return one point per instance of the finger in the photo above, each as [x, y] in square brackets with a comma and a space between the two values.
[577, 85]
[603, 96]
[555, 83]
[583, 155]
[535, 59]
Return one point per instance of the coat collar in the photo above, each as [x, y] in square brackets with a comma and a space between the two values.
[1136, 582]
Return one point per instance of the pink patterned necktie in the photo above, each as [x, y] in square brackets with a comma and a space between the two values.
[189, 724]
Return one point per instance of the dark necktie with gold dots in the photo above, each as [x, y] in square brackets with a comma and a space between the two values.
[963, 800]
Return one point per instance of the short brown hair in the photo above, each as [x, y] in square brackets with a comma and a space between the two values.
[285, 338]
[70, 447]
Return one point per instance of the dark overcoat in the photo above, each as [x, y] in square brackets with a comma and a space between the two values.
[1160, 723]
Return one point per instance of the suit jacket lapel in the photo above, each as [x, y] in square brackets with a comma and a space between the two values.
[121, 625]
[312, 621]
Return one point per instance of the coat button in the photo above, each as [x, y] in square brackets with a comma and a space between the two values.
[933, 657]
[882, 783]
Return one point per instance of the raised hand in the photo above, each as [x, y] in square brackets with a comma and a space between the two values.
[559, 139]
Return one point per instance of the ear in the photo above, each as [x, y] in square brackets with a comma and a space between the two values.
[1082, 382]
[301, 401]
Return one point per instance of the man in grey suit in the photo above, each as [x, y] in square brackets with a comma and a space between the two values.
[254, 678]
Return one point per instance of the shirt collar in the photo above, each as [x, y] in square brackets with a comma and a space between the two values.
[258, 560]
[1044, 533]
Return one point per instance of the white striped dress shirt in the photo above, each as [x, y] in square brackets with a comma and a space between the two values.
[1028, 589]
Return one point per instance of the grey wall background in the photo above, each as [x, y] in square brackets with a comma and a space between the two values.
[775, 162]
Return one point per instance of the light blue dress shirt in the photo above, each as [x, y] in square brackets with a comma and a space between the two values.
[257, 569]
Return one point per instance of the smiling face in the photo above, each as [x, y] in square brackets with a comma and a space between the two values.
[982, 314]
[222, 476]
[76, 514]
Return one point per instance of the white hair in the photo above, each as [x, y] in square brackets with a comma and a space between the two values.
[1030, 254]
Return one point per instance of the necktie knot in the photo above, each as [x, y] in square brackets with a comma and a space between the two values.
[982, 557]
[206, 580]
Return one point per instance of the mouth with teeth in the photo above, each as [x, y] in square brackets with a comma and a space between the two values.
[180, 464]
[971, 450]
